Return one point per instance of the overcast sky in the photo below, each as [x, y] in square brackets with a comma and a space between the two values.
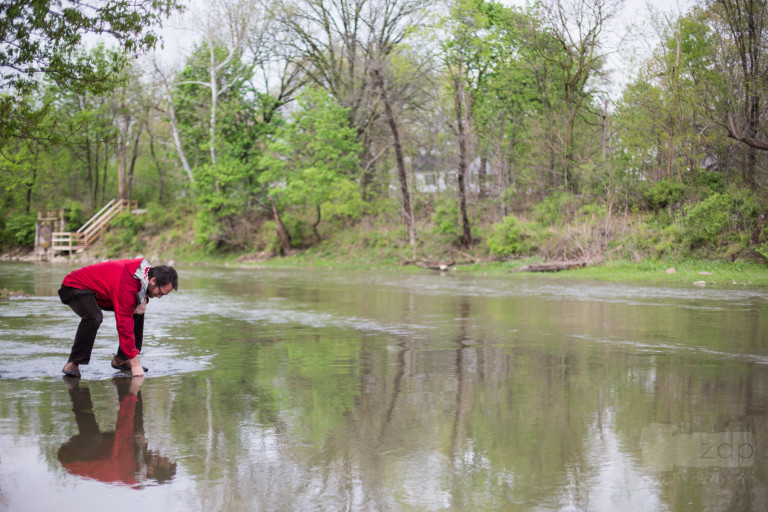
[178, 40]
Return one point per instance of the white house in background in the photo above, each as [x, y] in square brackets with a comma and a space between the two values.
[432, 174]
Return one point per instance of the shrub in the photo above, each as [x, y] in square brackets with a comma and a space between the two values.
[20, 230]
[446, 217]
[267, 239]
[508, 237]
[74, 215]
[664, 193]
[555, 209]
[207, 230]
[598, 211]
[710, 182]
[706, 220]
[123, 234]
[298, 230]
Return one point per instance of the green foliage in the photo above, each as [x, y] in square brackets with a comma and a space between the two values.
[508, 238]
[298, 229]
[650, 239]
[598, 211]
[267, 239]
[664, 193]
[245, 117]
[555, 209]
[74, 215]
[723, 222]
[762, 249]
[224, 187]
[312, 164]
[19, 230]
[446, 217]
[705, 221]
[710, 182]
[123, 234]
[207, 230]
[43, 37]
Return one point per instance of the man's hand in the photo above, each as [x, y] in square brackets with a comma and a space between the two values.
[141, 308]
[136, 369]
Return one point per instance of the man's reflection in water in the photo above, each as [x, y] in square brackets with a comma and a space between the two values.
[121, 456]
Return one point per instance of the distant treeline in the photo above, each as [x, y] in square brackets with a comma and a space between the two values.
[484, 123]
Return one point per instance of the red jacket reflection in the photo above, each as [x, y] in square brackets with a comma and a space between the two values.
[115, 460]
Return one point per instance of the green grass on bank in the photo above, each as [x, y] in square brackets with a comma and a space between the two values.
[691, 272]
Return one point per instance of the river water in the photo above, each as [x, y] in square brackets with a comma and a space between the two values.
[322, 390]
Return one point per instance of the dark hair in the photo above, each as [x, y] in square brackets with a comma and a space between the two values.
[165, 274]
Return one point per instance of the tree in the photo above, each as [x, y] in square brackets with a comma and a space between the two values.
[577, 26]
[512, 90]
[747, 24]
[665, 115]
[43, 37]
[407, 208]
[339, 45]
[313, 161]
[460, 52]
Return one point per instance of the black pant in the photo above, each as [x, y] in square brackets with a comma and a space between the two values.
[83, 302]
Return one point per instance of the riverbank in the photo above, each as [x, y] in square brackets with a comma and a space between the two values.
[689, 272]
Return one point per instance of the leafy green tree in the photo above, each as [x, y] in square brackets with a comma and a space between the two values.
[511, 92]
[222, 150]
[460, 48]
[664, 115]
[313, 162]
[339, 46]
[43, 36]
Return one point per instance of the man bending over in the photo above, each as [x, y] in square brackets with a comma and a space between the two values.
[122, 286]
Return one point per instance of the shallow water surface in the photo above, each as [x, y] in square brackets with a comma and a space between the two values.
[327, 390]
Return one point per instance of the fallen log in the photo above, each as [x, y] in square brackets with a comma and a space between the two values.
[552, 266]
[430, 265]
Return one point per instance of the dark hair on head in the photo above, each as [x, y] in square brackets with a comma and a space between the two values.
[165, 274]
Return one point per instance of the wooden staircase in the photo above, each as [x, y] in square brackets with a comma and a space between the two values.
[90, 231]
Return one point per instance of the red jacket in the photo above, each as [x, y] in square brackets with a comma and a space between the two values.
[116, 458]
[116, 288]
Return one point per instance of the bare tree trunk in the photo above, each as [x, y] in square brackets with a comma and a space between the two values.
[747, 22]
[282, 234]
[160, 171]
[465, 238]
[171, 112]
[214, 101]
[604, 142]
[407, 210]
[104, 176]
[752, 130]
[481, 177]
[569, 150]
[134, 156]
[676, 99]
[502, 180]
[317, 223]
[122, 143]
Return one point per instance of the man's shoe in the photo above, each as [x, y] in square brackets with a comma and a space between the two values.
[70, 370]
[118, 363]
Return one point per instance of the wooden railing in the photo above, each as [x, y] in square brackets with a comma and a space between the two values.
[91, 230]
